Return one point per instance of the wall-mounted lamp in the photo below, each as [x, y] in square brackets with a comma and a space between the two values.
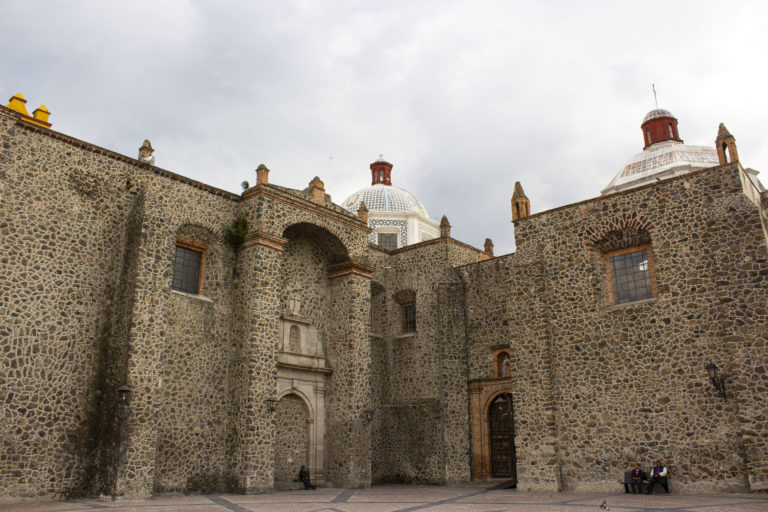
[718, 381]
[124, 394]
[271, 404]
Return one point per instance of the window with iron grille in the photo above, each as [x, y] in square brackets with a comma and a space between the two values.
[187, 269]
[409, 318]
[388, 240]
[630, 274]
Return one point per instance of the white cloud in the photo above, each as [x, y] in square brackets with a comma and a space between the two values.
[465, 98]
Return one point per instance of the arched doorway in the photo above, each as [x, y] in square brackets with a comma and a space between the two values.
[501, 422]
[291, 439]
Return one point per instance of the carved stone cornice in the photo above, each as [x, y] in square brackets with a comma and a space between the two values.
[275, 193]
[350, 267]
[264, 239]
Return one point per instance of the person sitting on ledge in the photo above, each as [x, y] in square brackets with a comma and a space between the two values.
[304, 477]
[658, 476]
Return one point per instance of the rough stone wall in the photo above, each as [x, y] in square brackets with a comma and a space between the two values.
[422, 395]
[505, 308]
[628, 381]
[88, 224]
[292, 438]
[254, 368]
[62, 230]
[304, 276]
[169, 206]
[193, 415]
[348, 399]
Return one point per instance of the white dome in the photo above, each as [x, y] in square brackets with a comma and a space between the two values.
[659, 112]
[661, 160]
[385, 198]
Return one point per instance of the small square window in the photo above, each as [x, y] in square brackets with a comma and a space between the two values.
[388, 240]
[409, 318]
[187, 270]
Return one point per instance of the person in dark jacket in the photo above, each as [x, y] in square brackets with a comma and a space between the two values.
[637, 477]
[304, 477]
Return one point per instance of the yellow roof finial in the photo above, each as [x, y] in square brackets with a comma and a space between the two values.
[17, 103]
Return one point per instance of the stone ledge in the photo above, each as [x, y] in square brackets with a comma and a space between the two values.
[624, 305]
[195, 296]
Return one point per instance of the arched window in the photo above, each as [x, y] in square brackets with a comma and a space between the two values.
[628, 259]
[671, 133]
[188, 261]
[294, 339]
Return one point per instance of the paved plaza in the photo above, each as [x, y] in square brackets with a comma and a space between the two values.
[402, 498]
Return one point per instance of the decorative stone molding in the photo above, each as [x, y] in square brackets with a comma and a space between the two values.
[275, 193]
[350, 267]
[264, 239]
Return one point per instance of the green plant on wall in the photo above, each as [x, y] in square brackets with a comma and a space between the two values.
[234, 233]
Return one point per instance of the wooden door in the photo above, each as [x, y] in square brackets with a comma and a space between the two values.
[502, 424]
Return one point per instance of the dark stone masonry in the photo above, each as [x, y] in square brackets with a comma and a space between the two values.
[299, 345]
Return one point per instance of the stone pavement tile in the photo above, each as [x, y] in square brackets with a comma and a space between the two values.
[317, 496]
[40, 506]
[410, 499]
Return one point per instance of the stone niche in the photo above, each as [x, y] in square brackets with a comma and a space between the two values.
[302, 371]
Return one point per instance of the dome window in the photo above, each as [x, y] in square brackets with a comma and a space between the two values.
[388, 241]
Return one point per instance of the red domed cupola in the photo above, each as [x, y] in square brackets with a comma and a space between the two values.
[659, 125]
[381, 172]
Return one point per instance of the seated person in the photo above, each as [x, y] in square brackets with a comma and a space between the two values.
[304, 477]
[637, 477]
[658, 476]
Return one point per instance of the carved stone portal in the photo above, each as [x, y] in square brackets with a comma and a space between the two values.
[302, 371]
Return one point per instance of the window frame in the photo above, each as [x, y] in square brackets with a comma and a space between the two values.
[395, 234]
[406, 322]
[612, 300]
[195, 246]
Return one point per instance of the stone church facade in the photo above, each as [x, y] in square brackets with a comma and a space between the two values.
[142, 352]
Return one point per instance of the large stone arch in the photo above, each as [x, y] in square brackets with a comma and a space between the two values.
[328, 241]
[276, 211]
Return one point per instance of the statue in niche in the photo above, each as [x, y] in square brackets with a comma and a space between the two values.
[294, 306]
[294, 340]
[503, 366]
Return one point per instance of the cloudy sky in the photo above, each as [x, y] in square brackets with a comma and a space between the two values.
[464, 98]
